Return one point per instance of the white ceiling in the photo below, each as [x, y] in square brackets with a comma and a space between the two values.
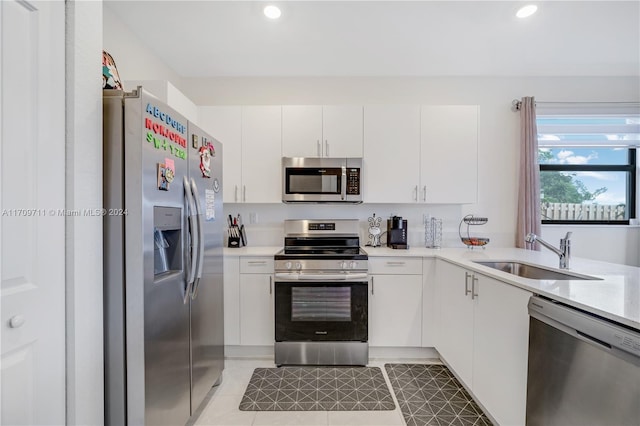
[389, 38]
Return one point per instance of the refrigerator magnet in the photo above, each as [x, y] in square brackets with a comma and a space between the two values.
[170, 169]
[210, 204]
[216, 185]
[194, 141]
[205, 160]
[163, 182]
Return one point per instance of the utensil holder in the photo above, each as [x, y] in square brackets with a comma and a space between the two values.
[433, 233]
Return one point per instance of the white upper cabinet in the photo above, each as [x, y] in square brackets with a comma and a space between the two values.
[301, 131]
[449, 154]
[321, 131]
[391, 153]
[261, 154]
[342, 130]
[251, 138]
[225, 124]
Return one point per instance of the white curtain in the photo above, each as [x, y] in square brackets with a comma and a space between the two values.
[529, 186]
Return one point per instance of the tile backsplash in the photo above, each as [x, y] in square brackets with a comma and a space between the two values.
[265, 222]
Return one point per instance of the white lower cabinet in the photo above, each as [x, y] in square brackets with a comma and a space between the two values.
[231, 300]
[484, 338]
[395, 302]
[429, 303]
[257, 325]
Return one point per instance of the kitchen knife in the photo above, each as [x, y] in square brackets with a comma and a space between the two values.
[243, 235]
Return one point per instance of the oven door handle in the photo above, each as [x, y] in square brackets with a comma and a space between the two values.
[321, 277]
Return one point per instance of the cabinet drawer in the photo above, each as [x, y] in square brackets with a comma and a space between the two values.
[395, 265]
[256, 265]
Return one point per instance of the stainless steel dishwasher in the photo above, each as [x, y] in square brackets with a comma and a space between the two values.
[583, 369]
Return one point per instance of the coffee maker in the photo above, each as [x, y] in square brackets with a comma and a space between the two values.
[397, 233]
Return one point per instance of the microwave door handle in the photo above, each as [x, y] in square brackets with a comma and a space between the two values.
[343, 190]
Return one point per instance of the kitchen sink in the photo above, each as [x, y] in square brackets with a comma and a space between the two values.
[534, 272]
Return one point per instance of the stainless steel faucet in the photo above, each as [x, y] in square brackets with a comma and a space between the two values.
[564, 253]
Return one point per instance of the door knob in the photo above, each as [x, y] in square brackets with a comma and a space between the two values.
[16, 321]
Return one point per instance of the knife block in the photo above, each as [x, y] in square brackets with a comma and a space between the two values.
[233, 242]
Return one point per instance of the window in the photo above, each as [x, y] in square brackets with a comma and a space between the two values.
[588, 167]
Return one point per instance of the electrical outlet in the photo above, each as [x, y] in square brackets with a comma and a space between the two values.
[253, 218]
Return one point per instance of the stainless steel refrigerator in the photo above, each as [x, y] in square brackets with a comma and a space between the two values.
[163, 263]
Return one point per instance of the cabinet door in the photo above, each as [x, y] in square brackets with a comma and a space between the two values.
[257, 324]
[430, 308]
[261, 154]
[500, 349]
[456, 320]
[391, 153]
[449, 154]
[231, 300]
[342, 131]
[302, 131]
[395, 310]
[225, 124]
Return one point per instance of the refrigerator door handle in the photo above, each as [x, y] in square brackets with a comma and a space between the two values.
[196, 196]
[194, 234]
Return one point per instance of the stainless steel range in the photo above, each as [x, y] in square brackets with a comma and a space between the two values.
[321, 295]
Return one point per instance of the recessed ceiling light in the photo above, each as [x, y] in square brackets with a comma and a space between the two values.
[527, 10]
[272, 12]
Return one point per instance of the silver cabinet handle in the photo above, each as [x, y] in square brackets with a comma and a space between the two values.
[474, 280]
[390, 263]
[244, 192]
[257, 262]
[326, 148]
[235, 197]
[319, 148]
[270, 284]
[466, 283]
[415, 193]
[424, 193]
[372, 286]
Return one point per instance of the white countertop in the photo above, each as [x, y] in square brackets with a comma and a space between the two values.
[252, 251]
[616, 296]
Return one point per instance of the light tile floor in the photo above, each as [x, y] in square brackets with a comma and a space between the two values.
[222, 408]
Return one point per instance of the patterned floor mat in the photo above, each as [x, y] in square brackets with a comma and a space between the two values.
[429, 394]
[317, 389]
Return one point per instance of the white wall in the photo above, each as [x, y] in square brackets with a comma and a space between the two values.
[85, 396]
[498, 144]
[133, 60]
[498, 127]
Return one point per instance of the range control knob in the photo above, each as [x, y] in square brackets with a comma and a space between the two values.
[343, 264]
[353, 264]
[298, 266]
[288, 265]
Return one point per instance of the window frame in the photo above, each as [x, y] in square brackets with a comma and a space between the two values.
[630, 168]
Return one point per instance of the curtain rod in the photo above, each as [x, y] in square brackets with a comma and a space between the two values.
[516, 103]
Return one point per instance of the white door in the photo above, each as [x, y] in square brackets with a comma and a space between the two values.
[32, 233]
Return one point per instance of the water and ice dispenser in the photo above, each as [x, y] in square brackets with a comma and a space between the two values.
[167, 238]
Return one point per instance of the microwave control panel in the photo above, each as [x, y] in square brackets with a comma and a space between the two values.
[353, 181]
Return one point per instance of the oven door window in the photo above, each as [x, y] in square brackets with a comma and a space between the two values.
[314, 180]
[321, 304]
[321, 311]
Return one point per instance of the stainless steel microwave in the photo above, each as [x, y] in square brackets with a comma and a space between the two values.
[321, 180]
